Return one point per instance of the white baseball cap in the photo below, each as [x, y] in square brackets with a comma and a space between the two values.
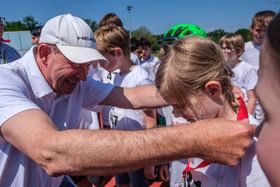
[73, 37]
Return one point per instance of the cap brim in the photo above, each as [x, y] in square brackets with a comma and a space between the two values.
[80, 55]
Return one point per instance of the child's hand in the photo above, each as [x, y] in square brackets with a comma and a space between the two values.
[149, 172]
[164, 172]
[237, 92]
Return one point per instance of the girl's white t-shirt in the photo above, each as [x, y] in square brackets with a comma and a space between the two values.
[247, 173]
[127, 119]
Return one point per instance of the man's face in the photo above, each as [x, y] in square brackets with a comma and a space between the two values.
[62, 74]
[258, 32]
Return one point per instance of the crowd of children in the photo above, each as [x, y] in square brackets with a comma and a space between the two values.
[196, 76]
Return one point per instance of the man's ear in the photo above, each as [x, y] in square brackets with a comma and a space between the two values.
[43, 52]
[213, 89]
[118, 52]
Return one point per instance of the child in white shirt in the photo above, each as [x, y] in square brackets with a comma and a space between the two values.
[113, 43]
[245, 76]
[196, 80]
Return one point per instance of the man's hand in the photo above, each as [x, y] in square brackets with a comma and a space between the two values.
[223, 141]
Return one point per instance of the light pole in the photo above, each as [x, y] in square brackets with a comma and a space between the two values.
[129, 8]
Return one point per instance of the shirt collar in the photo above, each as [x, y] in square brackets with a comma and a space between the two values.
[37, 81]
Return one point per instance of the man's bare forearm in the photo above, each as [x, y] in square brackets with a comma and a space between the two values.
[111, 152]
[88, 152]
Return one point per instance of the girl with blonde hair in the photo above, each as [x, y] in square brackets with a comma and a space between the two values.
[195, 79]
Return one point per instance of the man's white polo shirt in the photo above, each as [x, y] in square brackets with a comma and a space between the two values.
[23, 87]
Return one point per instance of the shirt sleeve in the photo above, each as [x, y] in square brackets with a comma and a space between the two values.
[95, 93]
[250, 79]
[146, 81]
[14, 95]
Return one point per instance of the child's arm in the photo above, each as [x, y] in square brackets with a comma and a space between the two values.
[150, 118]
[251, 101]
[149, 172]
[237, 91]
[150, 121]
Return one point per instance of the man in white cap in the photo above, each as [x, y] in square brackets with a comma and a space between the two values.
[42, 95]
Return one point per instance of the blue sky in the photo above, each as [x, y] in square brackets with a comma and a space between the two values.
[157, 15]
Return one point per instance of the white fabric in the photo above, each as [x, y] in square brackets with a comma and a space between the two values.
[103, 75]
[251, 54]
[259, 113]
[126, 119]
[23, 87]
[95, 73]
[175, 167]
[170, 119]
[106, 77]
[245, 77]
[88, 120]
[134, 57]
[151, 66]
[247, 173]
[73, 37]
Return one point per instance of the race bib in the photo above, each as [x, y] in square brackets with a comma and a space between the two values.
[188, 181]
[115, 115]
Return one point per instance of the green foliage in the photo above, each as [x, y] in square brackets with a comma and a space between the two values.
[146, 33]
[216, 34]
[246, 34]
[29, 22]
[15, 26]
[92, 23]
[141, 32]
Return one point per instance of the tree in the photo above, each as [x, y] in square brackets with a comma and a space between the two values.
[144, 32]
[92, 23]
[15, 26]
[216, 34]
[141, 32]
[29, 22]
[246, 34]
